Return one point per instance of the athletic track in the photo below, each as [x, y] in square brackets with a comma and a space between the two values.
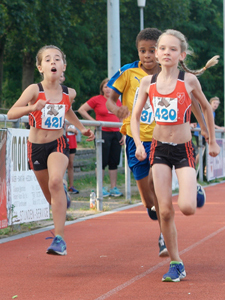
[115, 256]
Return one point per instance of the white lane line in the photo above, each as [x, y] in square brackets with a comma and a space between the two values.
[136, 278]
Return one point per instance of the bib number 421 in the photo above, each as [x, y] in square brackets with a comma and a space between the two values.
[54, 122]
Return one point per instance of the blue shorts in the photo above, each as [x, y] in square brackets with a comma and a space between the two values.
[140, 169]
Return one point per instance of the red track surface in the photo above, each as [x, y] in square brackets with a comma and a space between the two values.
[115, 256]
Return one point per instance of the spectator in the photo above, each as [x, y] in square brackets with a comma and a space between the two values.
[71, 133]
[113, 139]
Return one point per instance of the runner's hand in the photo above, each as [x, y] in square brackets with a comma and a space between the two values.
[89, 133]
[214, 149]
[140, 152]
[122, 112]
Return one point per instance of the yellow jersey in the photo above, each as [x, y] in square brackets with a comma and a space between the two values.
[126, 83]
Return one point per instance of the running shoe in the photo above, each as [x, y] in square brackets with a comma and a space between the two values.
[115, 192]
[163, 252]
[58, 246]
[105, 193]
[176, 272]
[67, 196]
[72, 190]
[201, 196]
[152, 213]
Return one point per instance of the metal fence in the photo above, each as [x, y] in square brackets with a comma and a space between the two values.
[98, 124]
[19, 122]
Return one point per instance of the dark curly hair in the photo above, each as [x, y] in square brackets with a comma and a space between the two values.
[148, 34]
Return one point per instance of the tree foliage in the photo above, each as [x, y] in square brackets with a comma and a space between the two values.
[79, 28]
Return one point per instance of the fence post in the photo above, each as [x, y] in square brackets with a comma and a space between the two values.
[99, 142]
[16, 124]
[200, 157]
[127, 178]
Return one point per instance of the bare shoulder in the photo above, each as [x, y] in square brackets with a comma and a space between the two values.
[32, 88]
[30, 94]
[145, 83]
[190, 78]
[147, 79]
[191, 82]
[72, 94]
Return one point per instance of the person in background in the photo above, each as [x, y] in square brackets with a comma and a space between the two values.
[71, 133]
[48, 103]
[113, 139]
[126, 83]
[214, 102]
[62, 78]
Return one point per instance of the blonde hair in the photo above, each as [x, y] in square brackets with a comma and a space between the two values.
[40, 53]
[185, 48]
[102, 84]
[215, 98]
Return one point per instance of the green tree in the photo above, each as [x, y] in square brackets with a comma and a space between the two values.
[80, 29]
[40, 23]
[86, 48]
[11, 16]
[204, 31]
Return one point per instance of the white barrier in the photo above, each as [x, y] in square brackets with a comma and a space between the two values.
[3, 195]
[26, 201]
[215, 166]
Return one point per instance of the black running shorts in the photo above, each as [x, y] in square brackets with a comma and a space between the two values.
[177, 155]
[38, 153]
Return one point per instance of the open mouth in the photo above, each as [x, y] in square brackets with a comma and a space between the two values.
[53, 70]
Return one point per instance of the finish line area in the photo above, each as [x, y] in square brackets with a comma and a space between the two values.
[114, 255]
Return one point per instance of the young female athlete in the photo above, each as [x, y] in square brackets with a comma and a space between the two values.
[169, 93]
[48, 104]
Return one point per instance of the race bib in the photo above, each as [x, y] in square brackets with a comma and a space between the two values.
[147, 115]
[165, 109]
[53, 116]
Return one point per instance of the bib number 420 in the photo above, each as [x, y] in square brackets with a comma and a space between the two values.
[165, 115]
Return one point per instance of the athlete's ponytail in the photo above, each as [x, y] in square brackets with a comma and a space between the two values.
[210, 63]
[184, 48]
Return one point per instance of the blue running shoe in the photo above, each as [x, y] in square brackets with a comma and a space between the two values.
[105, 193]
[201, 196]
[67, 196]
[152, 213]
[72, 190]
[115, 192]
[58, 246]
[176, 272]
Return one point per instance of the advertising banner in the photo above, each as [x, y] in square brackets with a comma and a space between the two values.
[215, 166]
[3, 199]
[26, 202]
